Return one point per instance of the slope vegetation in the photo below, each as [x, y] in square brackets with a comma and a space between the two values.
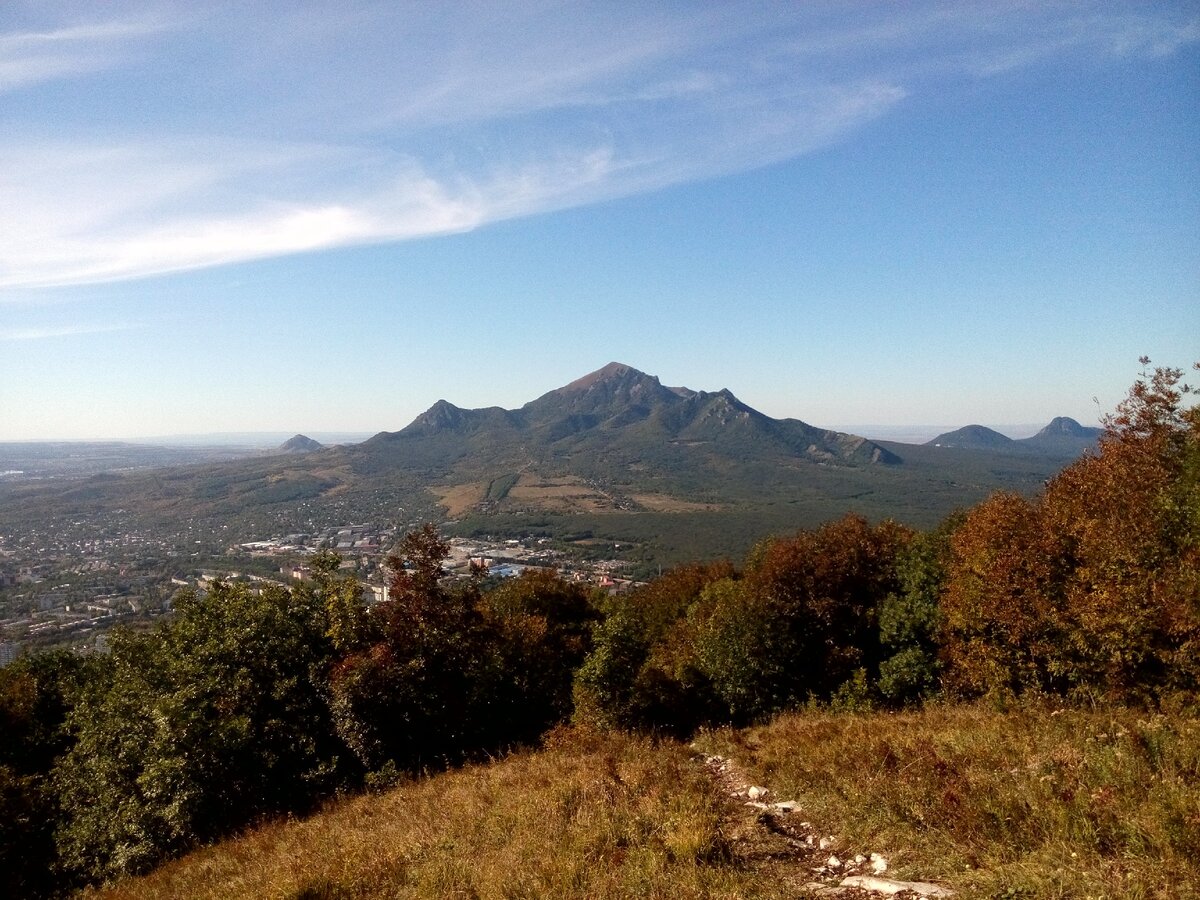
[1031, 802]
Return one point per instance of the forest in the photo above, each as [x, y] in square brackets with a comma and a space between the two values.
[245, 706]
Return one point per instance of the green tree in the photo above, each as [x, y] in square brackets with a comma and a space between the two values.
[817, 597]
[414, 693]
[37, 693]
[910, 617]
[642, 671]
[542, 627]
[198, 728]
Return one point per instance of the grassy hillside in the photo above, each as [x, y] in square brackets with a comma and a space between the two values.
[587, 817]
[1033, 802]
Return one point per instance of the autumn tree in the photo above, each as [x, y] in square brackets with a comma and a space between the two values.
[1128, 520]
[1002, 608]
[817, 596]
[1093, 587]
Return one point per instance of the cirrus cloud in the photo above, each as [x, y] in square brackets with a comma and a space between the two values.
[304, 129]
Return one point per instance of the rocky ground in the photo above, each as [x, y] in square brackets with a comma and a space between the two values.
[771, 833]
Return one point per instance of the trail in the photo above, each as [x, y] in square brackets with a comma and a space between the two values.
[773, 835]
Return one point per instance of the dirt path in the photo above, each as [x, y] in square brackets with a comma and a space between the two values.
[772, 834]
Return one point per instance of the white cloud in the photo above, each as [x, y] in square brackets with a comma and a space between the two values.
[39, 334]
[30, 57]
[299, 129]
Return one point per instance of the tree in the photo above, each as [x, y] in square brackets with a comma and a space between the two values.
[414, 693]
[1094, 587]
[642, 672]
[541, 625]
[910, 617]
[198, 728]
[1001, 608]
[817, 596]
[37, 693]
[1129, 520]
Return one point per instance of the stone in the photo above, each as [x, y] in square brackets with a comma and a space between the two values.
[833, 862]
[878, 864]
[756, 792]
[890, 887]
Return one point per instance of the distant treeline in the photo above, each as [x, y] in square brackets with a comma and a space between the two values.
[249, 704]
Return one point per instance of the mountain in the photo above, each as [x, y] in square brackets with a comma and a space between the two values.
[614, 456]
[301, 444]
[973, 437]
[615, 420]
[1063, 436]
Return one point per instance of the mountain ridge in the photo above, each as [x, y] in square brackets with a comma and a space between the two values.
[680, 473]
[623, 409]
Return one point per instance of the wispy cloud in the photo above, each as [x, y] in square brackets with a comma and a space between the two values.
[40, 334]
[305, 129]
[30, 57]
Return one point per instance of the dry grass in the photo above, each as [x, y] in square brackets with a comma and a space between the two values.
[459, 499]
[563, 494]
[1024, 803]
[1033, 802]
[588, 817]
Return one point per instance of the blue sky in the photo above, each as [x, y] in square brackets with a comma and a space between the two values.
[324, 217]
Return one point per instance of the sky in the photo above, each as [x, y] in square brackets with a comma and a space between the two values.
[314, 217]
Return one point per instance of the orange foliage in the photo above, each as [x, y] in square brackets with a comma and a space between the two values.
[1096, 584]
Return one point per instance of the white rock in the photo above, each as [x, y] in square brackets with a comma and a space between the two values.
[890, 887]
[878, 864]
[827, 842]
[785, 806]
[833, 862]
[859, 859]
[756, 792]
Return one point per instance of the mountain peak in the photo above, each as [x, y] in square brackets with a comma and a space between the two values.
[972, 437]
[301, 444]
[1065, 425]
[614, 371]
[442, 414]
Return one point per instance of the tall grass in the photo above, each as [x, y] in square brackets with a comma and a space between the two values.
[1029, 802]
[590, 816]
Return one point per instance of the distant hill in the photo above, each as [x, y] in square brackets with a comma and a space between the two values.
[1062, 438]
[973, 437]
[1064, 435]
[301, 444]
